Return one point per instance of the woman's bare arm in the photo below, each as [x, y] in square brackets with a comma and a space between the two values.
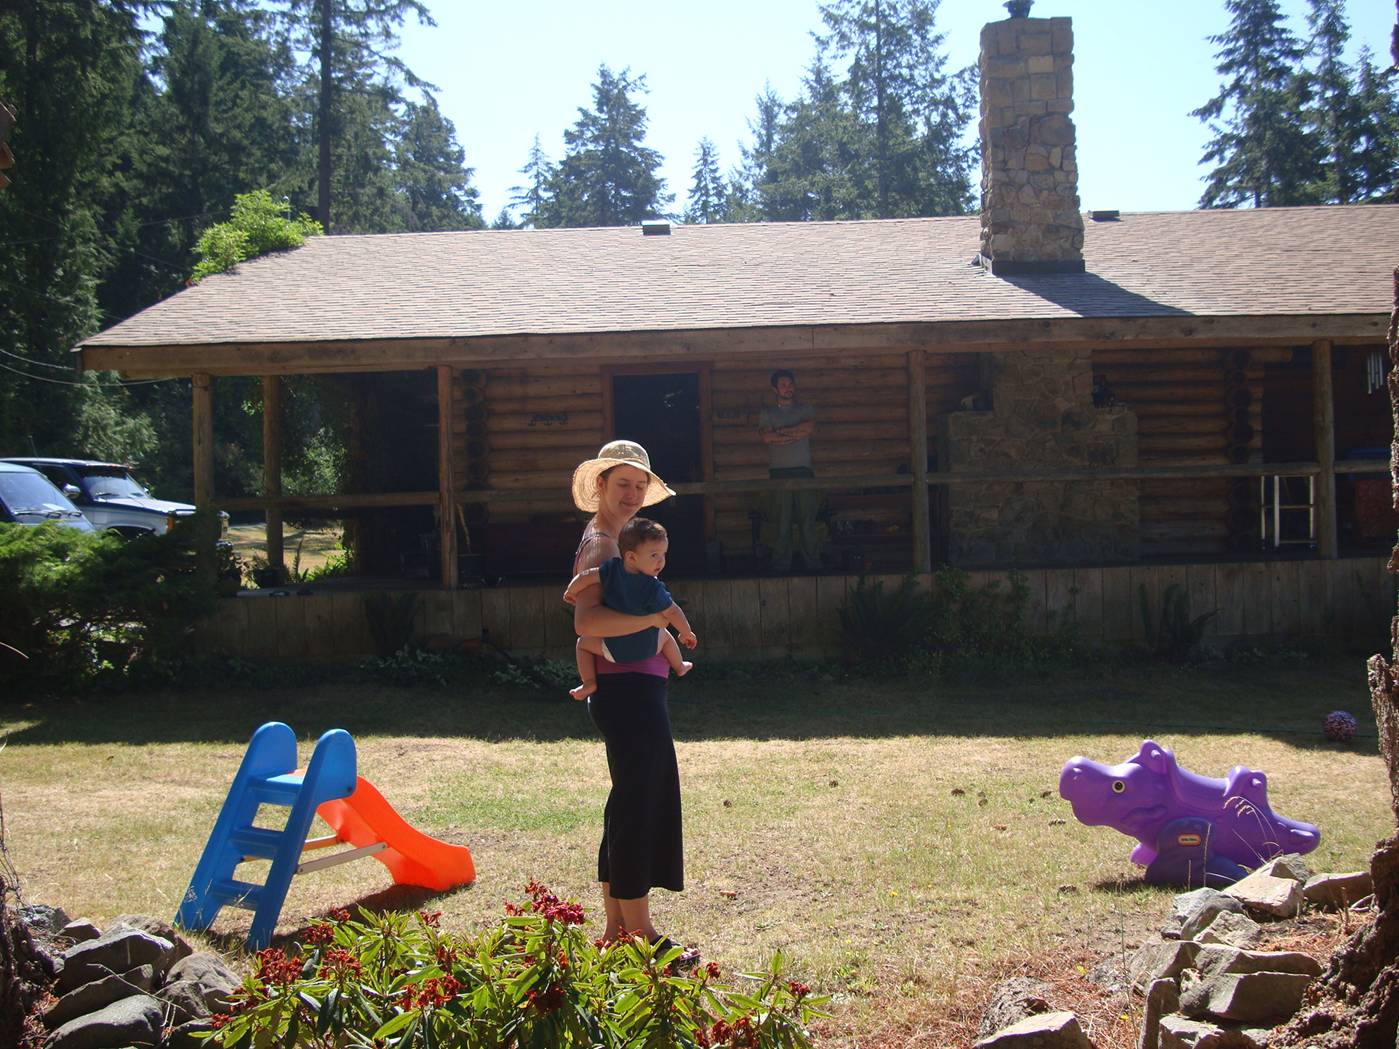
[590, 617]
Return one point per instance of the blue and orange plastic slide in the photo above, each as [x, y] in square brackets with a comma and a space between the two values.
[328, 785]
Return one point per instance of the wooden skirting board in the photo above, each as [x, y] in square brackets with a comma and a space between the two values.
[746, 619]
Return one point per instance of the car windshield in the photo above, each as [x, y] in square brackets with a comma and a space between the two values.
[28, 491]
[111, 483]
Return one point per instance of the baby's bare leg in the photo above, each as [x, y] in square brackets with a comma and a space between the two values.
[666, 646]
[586, 652]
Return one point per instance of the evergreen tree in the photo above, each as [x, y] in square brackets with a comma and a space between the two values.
[818, 169]
[707, 193]
[351, 43]
[748, 183]
[432, 181]
[608, 176]
[1335, 117]
[536, 197]
[909, 111]
[1262, 152]
[505, 220]
[1377, 146]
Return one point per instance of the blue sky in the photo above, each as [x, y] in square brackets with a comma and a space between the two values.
[506, 72]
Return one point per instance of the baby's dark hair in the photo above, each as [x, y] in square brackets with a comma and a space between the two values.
[637, 531]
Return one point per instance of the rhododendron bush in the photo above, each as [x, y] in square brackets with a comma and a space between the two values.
[399, 980]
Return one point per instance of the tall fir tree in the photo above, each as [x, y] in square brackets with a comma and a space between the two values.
[535, 197]
[817, 171]
[910, 112]
[708, 197]
[1377, 151]
[609, 176]
[1335, 116]
[433, 181]
[748, 181]
[1262, 151]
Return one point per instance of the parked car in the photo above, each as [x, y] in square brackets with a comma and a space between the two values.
[110, 498]
[28, 497]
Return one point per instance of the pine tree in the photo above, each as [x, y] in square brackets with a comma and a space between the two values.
[1335, 116]
[748, 183]
[707, 194]
[1377, 148]
[1262, 152]
[535, 198]
[608, 176]
[432, 181]
[910, 112]
[819, 167]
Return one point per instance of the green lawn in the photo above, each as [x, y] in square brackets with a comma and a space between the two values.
[904, 844]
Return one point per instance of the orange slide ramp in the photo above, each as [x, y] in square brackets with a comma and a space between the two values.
[365, 818]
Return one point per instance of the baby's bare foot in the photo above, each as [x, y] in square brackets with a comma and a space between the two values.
[685, 667]
[584, 690]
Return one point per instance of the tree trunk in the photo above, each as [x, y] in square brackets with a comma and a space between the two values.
[1355, 1002]
[323, 114]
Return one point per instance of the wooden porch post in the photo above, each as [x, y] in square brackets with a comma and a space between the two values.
[918, 458]
[272, 465]
[203, 443]
[446, 504]
[1324, 426]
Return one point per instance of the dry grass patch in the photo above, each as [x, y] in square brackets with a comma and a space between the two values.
[903, 845]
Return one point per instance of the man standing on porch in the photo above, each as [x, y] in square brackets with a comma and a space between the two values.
[786, 429]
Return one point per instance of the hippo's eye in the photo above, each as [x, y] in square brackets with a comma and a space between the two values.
[1118, 786]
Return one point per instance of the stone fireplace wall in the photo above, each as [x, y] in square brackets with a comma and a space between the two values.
[1041, 418]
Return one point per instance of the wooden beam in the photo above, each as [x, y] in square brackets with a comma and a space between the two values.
[446, 505]
[953, 336]
[203, 412]
[362, 501]
[918, 459]
[706, 409]
[1324, 427]
[272, 465]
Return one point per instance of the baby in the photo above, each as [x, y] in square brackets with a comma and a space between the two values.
[630, 584]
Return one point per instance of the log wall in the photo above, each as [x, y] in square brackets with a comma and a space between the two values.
[1349, 599]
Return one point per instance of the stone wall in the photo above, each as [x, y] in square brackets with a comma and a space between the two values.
[1041, 417]
[1030, 220]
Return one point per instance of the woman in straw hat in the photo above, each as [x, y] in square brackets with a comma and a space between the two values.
[641, 845]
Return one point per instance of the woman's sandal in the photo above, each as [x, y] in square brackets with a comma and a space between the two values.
[689, 956]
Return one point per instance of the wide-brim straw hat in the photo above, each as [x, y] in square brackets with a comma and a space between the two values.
[615, 453]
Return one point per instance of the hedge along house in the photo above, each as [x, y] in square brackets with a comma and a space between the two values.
[1109, 402]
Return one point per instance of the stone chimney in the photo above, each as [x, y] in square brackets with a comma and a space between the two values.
[1030, 221]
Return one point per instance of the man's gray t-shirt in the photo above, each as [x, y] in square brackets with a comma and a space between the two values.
[776, 417]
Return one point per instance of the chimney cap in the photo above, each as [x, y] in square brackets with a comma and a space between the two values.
[1105, 216]
[655, 228]
[1019, 8]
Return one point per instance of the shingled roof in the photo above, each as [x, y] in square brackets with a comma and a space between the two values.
[1266, 263]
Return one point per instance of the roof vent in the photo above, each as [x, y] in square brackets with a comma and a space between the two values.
[1105, 216]
[655, 228]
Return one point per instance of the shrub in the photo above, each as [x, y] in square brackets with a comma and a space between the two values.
[257, 225]
[82, 604]
[534, 980]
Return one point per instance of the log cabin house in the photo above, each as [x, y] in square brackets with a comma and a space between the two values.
[1107, 401]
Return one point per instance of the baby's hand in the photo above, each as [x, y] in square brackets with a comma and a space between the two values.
[688, 639]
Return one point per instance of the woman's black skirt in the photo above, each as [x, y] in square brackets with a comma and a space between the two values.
[641, 848]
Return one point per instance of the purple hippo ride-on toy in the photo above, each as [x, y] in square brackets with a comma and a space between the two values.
[1190, 829]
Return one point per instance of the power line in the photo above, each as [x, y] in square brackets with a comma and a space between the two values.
[66, 382]
[36, 363]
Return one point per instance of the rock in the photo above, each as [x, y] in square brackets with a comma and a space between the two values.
[205, 968]
[79, 931]
[1232, 928]
[1207, 904]
[132, 1021]
[1111, 973]
[51, 963]
[1178, 1032]
[1165, 960]
[1162, 997]
[1219, 958]
[157, 927]
[183, 1036]
[42, 921]
[99, 994]
[1265, 894]
[1263, 998]
[117, 951]
[1012, 1001]
[1338, 890]
[1042, 1031]
[1291, 865]
[189, 1001]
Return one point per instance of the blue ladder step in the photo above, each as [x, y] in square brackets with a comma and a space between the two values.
[236, 893]
[257, 842]
[277, 790]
